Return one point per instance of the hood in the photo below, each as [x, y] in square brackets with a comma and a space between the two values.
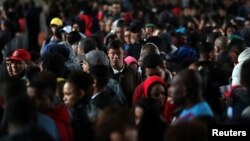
[244, 55]
[60, 113]
[149, 82]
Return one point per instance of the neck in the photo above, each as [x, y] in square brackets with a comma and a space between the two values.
[118, 67]
[191, 103]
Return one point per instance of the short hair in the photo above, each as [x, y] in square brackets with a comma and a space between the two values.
[151, 47]
[45, 81]
[205, 47]
[224, 42]
[81, 80]
[20, 111]
[244, 74]
[74, 37]
[193, 83]
[155, 40]
[88, 44]
[101, 74]
[152, 61]
[238, 44]
[54, 62]
[13, 87]
[115, 44]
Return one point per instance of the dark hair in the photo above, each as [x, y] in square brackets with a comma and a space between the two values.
[20, 111]
[31, 72]
[13, 87]
[112, 120]
[115, 44]
[54, 62]
[193, 39]
[81, 80]
[153, 130]
[155, 40]
[193, 83]
[88, 44]
[101, 74]
[205, 47]
[152, 61]
[45, 81]
[244, 74]
[74, 37]
[237, 44]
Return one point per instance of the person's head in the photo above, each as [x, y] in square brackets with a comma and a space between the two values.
[65, 31]
[149, 29]
[119, 29]
[127, 36]
[147, 49]
[8, 67]
[114, 123]
[188, 131]
[77, 86]
[42, 91]
[136, 34]
[235, 47]
[220, 44]
[30, 73]
[93, 58]
[206, 51]
[20, 113]
[193, 39]
[20, 60]
[156, 89]
[116, 54]
[100, 74]
[116, 8]
[153, 65]
[55, 23]
[230, 29]
[53, 62]
[73, 37]
[131, 62]
[10, 89]
[186, 88]
[86, 45]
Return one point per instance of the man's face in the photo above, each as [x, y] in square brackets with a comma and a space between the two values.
[120, 33]
[127, 35]
[143, 54]
[116, 57]
[9, 69]
[177, 91]
[40, 99]
[155, 71]
[18, 67]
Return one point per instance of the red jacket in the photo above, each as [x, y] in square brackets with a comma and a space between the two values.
[62, 119]
[141, 91]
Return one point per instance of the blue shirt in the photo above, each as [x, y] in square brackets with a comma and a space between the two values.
[199, 109]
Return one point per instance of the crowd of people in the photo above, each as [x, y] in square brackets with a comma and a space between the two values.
[80, 70]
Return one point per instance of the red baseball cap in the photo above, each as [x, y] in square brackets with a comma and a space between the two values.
[19, 55]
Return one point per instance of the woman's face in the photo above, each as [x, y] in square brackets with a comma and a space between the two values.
[158, 93]
[70, 94]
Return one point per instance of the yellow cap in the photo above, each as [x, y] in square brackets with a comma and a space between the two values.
[56, 21]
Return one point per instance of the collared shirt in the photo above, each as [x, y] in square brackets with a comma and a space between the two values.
[118, 71]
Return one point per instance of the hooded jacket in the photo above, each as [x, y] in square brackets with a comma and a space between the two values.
[62, 119]
[237, 69]
[149, 82]
[168, 107]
